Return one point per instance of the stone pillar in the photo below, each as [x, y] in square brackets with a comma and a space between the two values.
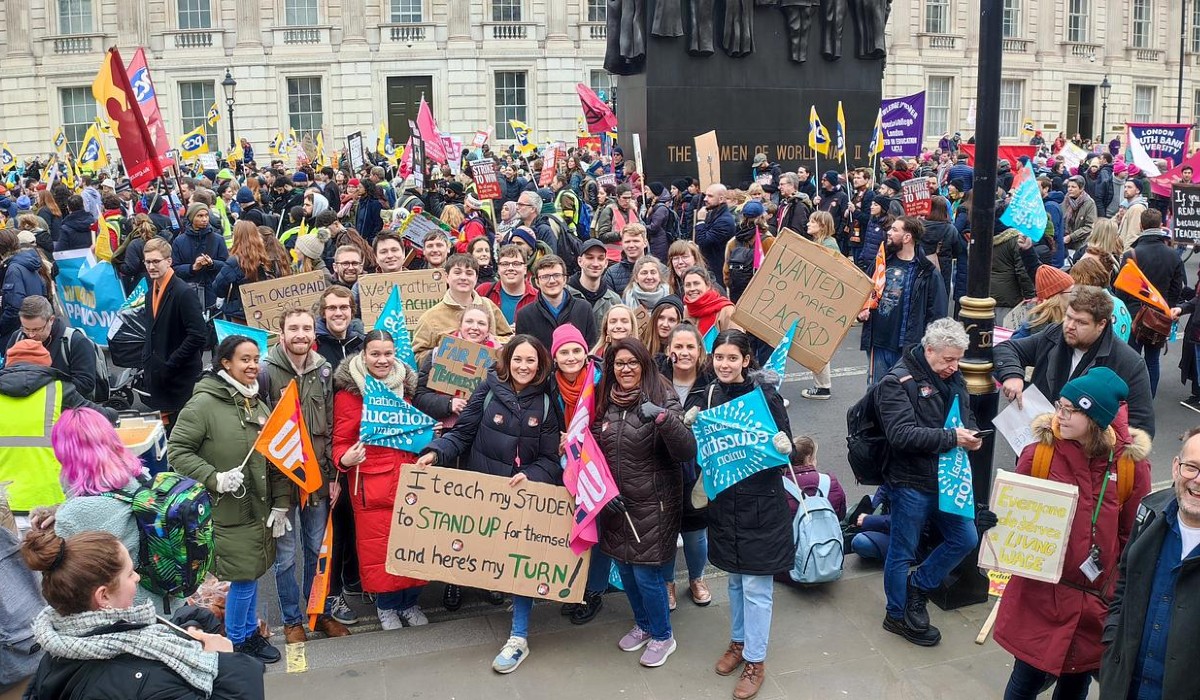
[249, 23]
[353, 27]
[556, 27]
[16, 15]
[459, 24]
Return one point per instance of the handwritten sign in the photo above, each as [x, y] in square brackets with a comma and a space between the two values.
[475, 530]
[1185, 203]
[421, 289]
[265, 301]
[914, 194]
[459, 366]
[1034, 521]
[416, 227]
[487, 182]
[708, 159]
[805, 282]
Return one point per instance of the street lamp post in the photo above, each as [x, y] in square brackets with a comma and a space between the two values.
[1105, 88]
[228, 85]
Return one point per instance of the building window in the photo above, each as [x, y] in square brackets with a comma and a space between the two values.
[78, 113]
[1143, 103]
[1195, 106]
[508, 10]
[74, 16]
[937, 16]
[305, 113]
[1011, 21]
[603, 84]
[406, 11]
[194, 101]
[300, 13]
[1011, 94]
[194, 14]
[510, 101]
[597, 10]
[937, 106]
[1141, 24]
[1196, 27]
[1077, 20]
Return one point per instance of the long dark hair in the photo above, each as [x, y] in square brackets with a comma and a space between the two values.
[654, 385]
[506, 353]
[741, 341]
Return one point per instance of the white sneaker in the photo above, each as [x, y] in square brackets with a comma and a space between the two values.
[413, 617]
[514, 652]
[390, 619]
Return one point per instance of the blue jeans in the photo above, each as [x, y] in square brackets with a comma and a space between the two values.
[522, 606]
[910, 510]
[750, 601]
[598, 570]
[1153, 367]
[399, 600]
[879, 361]
[241, 611]
[309, 528]
[1026, 682]
[695, 553]
[648, 598]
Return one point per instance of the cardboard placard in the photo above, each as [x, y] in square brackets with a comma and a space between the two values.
[1034, 519]
[356, 150]
[420, 289]
[419, 167]
[914, 195]
[459, 366]
[708, 159]
[416, 226]
[1185, 205]
[475, 530]
[806, 282]
[264, 301]
[487, 181]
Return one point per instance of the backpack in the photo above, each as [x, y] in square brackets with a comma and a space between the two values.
[818, 535]
[103, 391]
[671, 225]
[569, 245]
[741, 269]
[583, 227]
[867, 448]
[174, 518]
[1043, 455]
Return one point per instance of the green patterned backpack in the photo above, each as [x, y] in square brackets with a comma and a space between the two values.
[174, 515]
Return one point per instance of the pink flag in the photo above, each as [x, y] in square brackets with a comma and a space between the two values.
[600, 118]
[430, 134]
[758, 251]
[586, 475]
[405, 168]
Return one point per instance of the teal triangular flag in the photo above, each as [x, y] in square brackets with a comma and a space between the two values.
[777, 362]
[225, 329]
[391, 319]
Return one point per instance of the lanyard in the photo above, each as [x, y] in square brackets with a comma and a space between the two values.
[1100, 500]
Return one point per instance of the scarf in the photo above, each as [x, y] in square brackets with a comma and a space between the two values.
[705, 309]
[250, 392]
[571, 389]
[395, 380]
[1074, 204]
[1139, 199]
[624, 398]
[160, 287]
[638, 296]
[79, 637]
[589, 296]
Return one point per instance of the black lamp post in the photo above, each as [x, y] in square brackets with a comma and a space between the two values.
[1105, 88]
[228, 85]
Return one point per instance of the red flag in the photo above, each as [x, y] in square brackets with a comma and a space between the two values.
[405, 168]
[285, 442]
[600, 118]
[427, 127]
[147, 97]
[112, 90]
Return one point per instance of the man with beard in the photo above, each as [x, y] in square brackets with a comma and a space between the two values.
[347, 266]
[1066, 350]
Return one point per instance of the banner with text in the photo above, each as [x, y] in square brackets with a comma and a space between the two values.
[390, 421]
[956, 494]
[1167, 141]
[736, 440]
[265, 301]
[1034, 519]
[903, 125]
[487, 182]
[914, 195]
[90, 293]
[1185, 203]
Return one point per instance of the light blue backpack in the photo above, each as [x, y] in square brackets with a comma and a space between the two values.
[818, 535]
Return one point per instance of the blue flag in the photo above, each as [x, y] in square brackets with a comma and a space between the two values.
[735, 440]
[777, 362]
[1025, 211]
[225, 329]
[709, 338]
[956, 493]
[138, 296]
[90, 293]
[390, 421]
[391, 319]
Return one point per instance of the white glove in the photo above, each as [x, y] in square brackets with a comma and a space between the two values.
[689, 418]
[278, 522]
[781, 443]
[230, 481]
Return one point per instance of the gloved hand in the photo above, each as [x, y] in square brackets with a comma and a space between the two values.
[689, 418]
[278, 522]
[985, 520]
[650, 411]
[616, 506]
[781, 443]
[230, 481]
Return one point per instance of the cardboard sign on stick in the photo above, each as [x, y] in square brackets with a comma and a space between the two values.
[264, 301]
[1034, 523]
[708, 159]
[915, 197]
[420, 289]
[459, 366]
[487, 181]
[475, 530]
[806, 282]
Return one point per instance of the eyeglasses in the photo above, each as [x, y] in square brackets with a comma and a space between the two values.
[512, 263]
[1065, 410]
[34, 331]
[554, 277]
[343, 307]
[627, 364]
[1187, 470]
[348, 264]
[153, 262]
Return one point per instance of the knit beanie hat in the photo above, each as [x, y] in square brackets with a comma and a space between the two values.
[564, 334]
[1098, 393]
[525, 234]
[309, 245]
[892, 183]
[1050, 280]
[671, 300]
[657, 188]
[831, 176]
[473, 202]
[300, 178]
[28, 351]
[681, 184]
[195, 208]
[244, 195]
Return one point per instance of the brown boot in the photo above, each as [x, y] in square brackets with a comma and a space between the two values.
[330, 627]
[700, 593]
[751, 681]
[730, 660]
[671, 596]
[294, 634]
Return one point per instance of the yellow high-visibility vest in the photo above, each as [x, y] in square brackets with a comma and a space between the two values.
[26, 457]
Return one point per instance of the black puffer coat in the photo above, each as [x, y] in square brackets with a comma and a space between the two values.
[693, 519]
[749, 525]
[644, 458]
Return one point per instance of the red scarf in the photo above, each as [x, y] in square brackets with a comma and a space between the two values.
[706, 308]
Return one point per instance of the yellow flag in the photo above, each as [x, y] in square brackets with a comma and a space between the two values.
[91, 152]
[839, 143]
[277, 144]
[818, 135]
[214, 115]
[877, 135]
[292, 142]
[194, 143]
[7, 160]
[60, 141]
[319, 156]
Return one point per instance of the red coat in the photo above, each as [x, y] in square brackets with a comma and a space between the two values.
[1056, 627]
[372, 493]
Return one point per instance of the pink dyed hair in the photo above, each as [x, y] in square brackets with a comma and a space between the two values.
[93, 458]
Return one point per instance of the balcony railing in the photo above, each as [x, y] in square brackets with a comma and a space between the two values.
[193, 38]
[1090, 52]
[408, 33]
[596, 31]
[509, 31]
[1148, 55]
[302, 35]
[943, 42]
[1016, 45]
[75, 44]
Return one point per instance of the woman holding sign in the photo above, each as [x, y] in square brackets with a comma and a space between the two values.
[374, 472]
[1054, 629]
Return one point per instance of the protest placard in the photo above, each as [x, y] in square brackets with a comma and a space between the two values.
[1033, 524]
[734, 441]
[90, 292]
[708, 159]
[416, 226]
[264, 301]
[915, 197]
[806, 282]
[421, 289]
[487, 182]
[1015, 423]
[1185, 203]
[459, 366]
[1019, 315]
[475, 530]
[356, 150]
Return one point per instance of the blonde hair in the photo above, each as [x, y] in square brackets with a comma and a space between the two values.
[604, 341]
[453, 217]
[1052, 310]
[825, 220]
[1105, 238]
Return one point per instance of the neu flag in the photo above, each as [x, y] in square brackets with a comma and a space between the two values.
[390, 421]
[599, 116]
[285, 442]
[736, 440]
[90, 293]
[585, 471]
[1026, 212]
[391, 319]
[956, 494]
[320, 585]
[777, 362]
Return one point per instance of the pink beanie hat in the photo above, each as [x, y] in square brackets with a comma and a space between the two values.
[565, 334]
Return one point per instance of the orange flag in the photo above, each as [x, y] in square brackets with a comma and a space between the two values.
[1133, 282]
[285, 442]
[878, 276]
[320, 585]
